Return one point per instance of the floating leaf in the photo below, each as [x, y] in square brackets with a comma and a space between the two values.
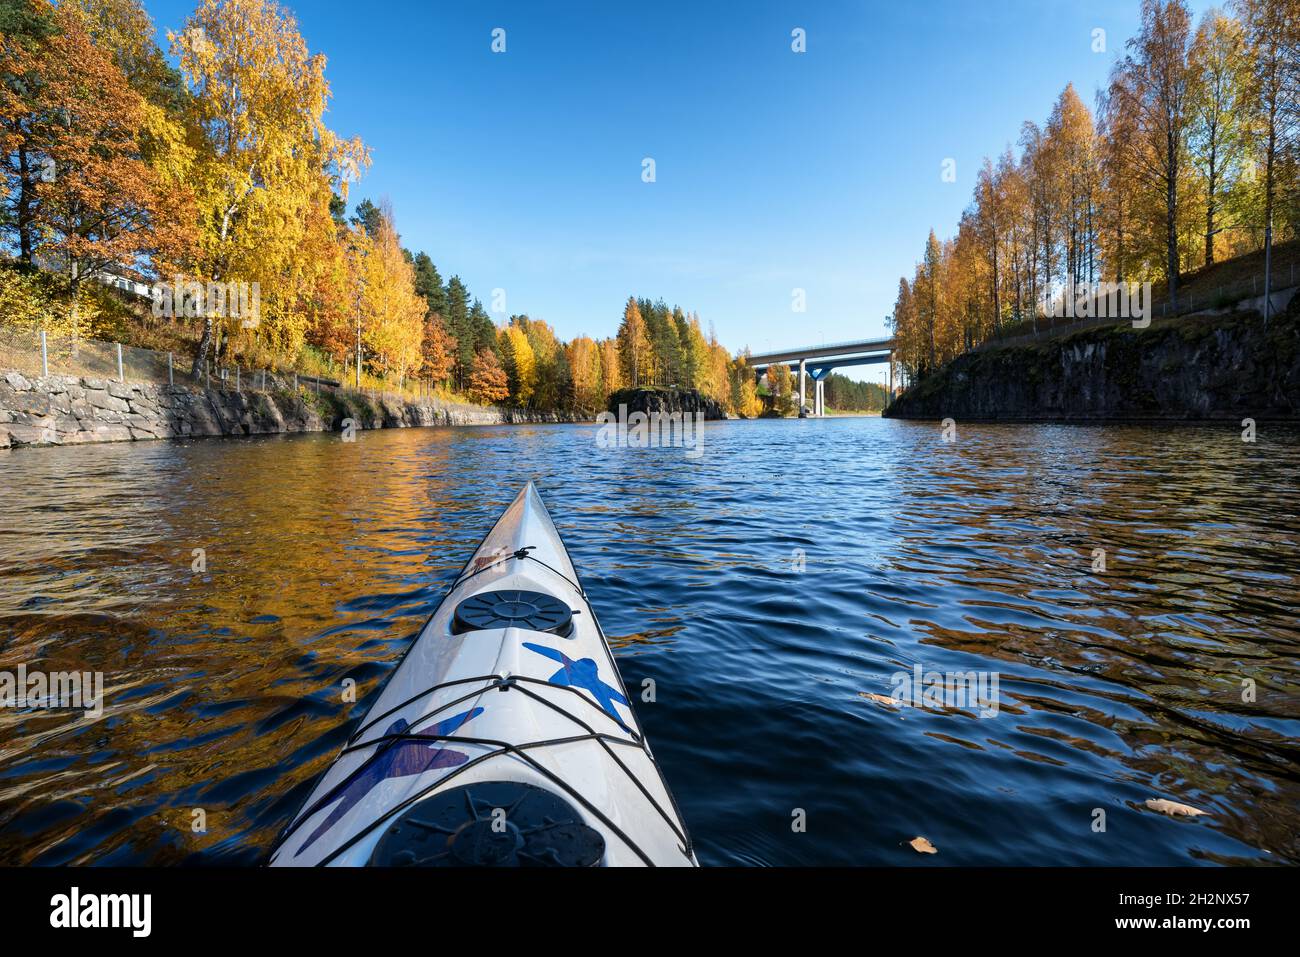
[922, 846]
[1173, 808]
[880, 699]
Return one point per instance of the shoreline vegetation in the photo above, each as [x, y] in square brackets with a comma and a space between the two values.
[1190, 159]
[161, 200]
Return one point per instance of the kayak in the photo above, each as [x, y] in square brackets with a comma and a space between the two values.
[505, 737]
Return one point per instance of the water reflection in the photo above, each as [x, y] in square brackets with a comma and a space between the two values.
[321, 559]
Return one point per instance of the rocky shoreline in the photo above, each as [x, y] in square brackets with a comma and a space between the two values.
[666, 402]
[1207, 367]
[66, 410]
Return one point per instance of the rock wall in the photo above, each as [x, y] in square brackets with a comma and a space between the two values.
[1206, 367]
[64, 410]
[686, 401]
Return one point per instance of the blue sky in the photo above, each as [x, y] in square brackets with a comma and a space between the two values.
[774, 170]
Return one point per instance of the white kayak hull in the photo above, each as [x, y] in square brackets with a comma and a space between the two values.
[477, 714]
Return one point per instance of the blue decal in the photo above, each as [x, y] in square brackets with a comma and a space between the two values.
[582, 674]
[397, 759]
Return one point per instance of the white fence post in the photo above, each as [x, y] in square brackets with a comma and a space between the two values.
[237, 389]
[45, 356]
[121, 375]
[171, 378]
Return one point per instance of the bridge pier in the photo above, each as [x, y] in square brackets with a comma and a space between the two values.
[823, 359]
[818, 376]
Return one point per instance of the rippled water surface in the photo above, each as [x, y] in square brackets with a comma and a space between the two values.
[324, 558]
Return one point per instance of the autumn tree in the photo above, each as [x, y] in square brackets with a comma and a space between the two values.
[1272, 33]
[124, 31]
[611, 366]
[1119, 177]
[392, 313]
[24, 29]
[1158, 99]
[439, 349]
[1071, 131]
[1151, 181]
[584, 360]
[520, 363]
[635, 358]
[95, 205]
[487, 380]
[780, 384]
[258, 99]
[744, 387]
[1219, 120]
[989, 225]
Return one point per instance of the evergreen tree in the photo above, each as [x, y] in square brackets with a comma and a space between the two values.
[368, 217]
[458, 325]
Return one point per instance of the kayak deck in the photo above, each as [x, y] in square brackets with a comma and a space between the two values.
[507, 701]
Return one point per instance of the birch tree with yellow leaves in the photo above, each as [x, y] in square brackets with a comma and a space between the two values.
[391, 312]
[258, 98]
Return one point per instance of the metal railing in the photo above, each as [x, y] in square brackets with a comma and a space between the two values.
[36, 353]
[1194, 298]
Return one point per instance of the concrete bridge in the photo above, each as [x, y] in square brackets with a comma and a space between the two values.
[816, 362]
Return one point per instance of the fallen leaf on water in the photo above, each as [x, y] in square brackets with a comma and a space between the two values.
[880, 699]
[922, 846]
[1173, 808]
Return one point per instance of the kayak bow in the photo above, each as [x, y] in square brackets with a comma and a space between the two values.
[505, 736]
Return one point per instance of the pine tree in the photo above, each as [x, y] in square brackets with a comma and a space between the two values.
[458, 325]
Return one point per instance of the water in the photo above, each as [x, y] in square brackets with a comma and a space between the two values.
[324, 558]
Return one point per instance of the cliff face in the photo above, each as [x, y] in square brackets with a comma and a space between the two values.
[666, 401]
[1208, 367]
[64, 410]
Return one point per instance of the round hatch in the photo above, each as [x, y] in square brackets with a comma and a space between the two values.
[511, 608]
[494, 824]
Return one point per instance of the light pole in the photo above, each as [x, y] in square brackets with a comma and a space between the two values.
[889, 324]
[361, 291]
[1268, 263]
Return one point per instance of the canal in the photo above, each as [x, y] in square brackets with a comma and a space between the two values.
[1131, 591]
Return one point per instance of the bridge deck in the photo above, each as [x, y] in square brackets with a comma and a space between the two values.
[843, 353]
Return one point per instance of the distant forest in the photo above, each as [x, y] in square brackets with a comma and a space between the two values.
[845, 395]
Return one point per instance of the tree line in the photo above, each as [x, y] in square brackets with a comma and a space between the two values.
[212, 164]
[1190, 152]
